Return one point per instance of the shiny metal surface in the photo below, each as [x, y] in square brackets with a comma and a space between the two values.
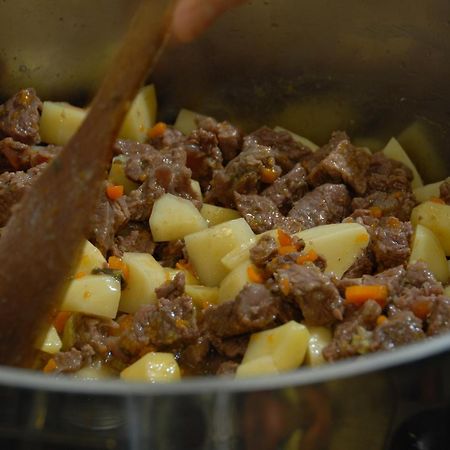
[374, 68]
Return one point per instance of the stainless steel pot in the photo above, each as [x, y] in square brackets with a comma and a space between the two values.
[370, 67]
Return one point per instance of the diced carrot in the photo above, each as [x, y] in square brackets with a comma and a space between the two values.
[437, 200]
[286, 249]
[285, 286]
[157, 130]
[268, 175]
[114, 192]
[375, 211]
[381, 319]
[310, 256]
[79, 275]
[50, 366]
[421, 309]
[116, 263]
[59, 322]
[283, 238]
[359, 294]
[254, 274]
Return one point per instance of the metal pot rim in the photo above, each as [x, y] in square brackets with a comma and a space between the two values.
[28, 379]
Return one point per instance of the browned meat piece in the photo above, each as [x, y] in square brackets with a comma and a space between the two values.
[254, 309]
[317, 296]
[69, 361]
[263, 251]
[364, 264]
[228, 136]
[170, 138]
[171, 289]
[12, 186]
[262, 214]
[328, 203]
[227, 368]
[390, 242]
[287, 152]
[19, 117]
[195, 356]
[444, 191]
[439, 319]
[288, 189]
[344, 164]
[134, 237]
[232, 347]
[169, 253]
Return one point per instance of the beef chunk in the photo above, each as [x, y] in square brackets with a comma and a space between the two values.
[391, 242]
[195, 356]
[68, 361]
[444, 191]
[169, 139]
[364, 264]
[288, 189]
[317, 296]
[171, 289]
[328, 203]
[134, 237]
[439, 319]
[232, 347]
[344, 164]
[263, 251]
[227, 368]
[228, 136]
[254, 309]
[169, 253]
[19, 117]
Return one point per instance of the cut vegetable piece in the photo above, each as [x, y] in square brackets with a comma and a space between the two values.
[59, 122]
[426, 192]
[257, 367]
[174, 217]
[98, 295]
[436, 217]
[300, 139]
[286, 344]
[154, 367]
[206, 248]
[340, 244]
[50, 342]
[145, 275]
[216, 214]
[238, 255]
[94, 373]
[203, 296]
[188, 275]
[91, 258]
[319, 338]
[427, 248]
[141, 116]
[117, 175]
[395, 151]
[233, 283]
[186, 121]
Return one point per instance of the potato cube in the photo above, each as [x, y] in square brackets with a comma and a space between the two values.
[238, 255]
[257, 367]
[202, 296]
[233, 283]
[300, 139]
[424, 193]
[145, 275]
[427, 248]
[216, 214]
[286, 344]
[174, 217]
[98, 295]
[189, 277]
[395, 151]
[94, 373]
[154, 367]
[59, 122]
[319, 338]
[206, 248]
[50, 342]
[436, 217]
[340, 244]
[141, 116]
[117, 175]
[186, 122]
[91, 258]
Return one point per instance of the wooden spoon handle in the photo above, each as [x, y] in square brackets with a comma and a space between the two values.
[42, 239]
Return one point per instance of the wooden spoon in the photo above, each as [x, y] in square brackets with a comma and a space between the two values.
[42, 239]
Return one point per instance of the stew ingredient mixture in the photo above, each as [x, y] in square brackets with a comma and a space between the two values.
[214, 252]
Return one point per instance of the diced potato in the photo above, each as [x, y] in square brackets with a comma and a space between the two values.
[141, 115]
[238, 255]
[185, 121]
[340, 244]
[145, 275]
[216, 214]
[202, 296]
[50, 342]
[319, 338]
[206, 248]
[117, 175]
[286, 344]
[94, 373]
[395, 151]
[436, 217]
[174, 217]
[98, 295]
[427, 248]
[257, 367]
[196, 188]
[189, 277]
[300, 139]
[59, 122]
[91, 258]
[424, 193]
[154, 367]
[233, 283]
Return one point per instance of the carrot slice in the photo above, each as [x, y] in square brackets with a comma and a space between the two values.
[285, 286]
[268, 175]
[311, 256]
[157, 130]
[114, 192]
[359, 294]
[283, 238]
[421, 309]
[116, 263]
[59, 322]
[254, 274]
[286, 249]
[50, 366]
[381, 319]
[375, 211]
